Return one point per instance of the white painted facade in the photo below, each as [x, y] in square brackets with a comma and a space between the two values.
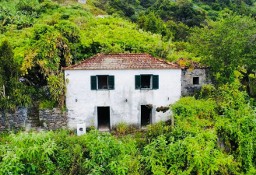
[124, 101]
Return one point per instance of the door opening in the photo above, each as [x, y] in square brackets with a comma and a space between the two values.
[103, 118]
[146, 115]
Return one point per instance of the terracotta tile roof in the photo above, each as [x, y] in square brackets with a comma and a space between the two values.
[122, 61]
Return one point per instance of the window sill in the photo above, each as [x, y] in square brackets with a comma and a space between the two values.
[103, 90]
[146, 89]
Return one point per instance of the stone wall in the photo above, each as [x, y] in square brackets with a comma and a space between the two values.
[188, 86]
[29, 118]
[13, 121]
[52, 119]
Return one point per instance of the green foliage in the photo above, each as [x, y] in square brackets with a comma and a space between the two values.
[211, 135]
[107, 155]
[28, 154]
[190, 107]
[193, 155]
[235, 124]
[157, 129]
[226, 45]
[117, 38]
[122, 128]
[153, 23]
[52, 36]
[47, 104]
[207, 91]
[63, 153]
[12, 92]
[252, 84]
[180, 31]
[57, 88]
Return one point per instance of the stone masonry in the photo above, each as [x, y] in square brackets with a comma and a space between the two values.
[13, 121]
[53, 119]
[23, 118]
[193, 79]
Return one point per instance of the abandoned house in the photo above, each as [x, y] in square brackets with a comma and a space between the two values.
[108, 89]
[193, 76]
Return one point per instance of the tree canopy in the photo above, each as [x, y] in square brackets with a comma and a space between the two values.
[227, 45]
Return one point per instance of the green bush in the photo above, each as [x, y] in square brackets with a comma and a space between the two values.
[201, 140]
[61, 152]
[107, 155]
[190, 107]
[157, 129]
[193, 155]
[28, 153]
[47, 104]
[122, 128]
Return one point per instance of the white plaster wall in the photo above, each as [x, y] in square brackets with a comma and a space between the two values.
[82, 102]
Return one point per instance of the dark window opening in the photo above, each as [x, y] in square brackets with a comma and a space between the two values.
[146, 115]
[103, 118]
[102, 82]
[195, 80]
[105, 82]
[145, 81]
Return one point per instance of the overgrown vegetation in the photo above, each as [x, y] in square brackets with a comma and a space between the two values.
[211, 133]
[46, 35]
[214, 134]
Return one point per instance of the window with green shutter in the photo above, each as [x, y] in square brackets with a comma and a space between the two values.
[155, 82]
[111, 82]
[93, 82]
[146, 81]
[102, 82]
[137, 81]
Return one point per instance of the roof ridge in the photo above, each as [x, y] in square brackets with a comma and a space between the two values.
[119, 61]
[126, 54]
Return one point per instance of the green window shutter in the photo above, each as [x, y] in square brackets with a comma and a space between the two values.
[137, 82]
[111, 82]
[93, 83]
[155, 82]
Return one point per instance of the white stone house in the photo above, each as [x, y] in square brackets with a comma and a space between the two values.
[108, 89]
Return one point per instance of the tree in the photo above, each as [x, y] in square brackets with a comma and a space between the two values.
[43, 61]
[152, 23]
[12, 92]
[226, 45]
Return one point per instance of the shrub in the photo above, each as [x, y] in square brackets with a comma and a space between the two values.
[190, 107]
[207, 91]
[193, 155]
[157, 129]
[122, 128]
[47, 104]
[28, 153]
[107, 155]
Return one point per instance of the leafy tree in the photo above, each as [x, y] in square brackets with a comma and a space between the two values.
[179, 30]
[152, 23]
[12, 92]
[226, 45]
[45, 58]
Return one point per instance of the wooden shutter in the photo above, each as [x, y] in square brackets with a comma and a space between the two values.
[111, 82]
[155, 82]
[93, 83]
[137, 82]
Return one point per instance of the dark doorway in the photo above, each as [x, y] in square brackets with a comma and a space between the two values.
[103, 118]
[146, 115]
